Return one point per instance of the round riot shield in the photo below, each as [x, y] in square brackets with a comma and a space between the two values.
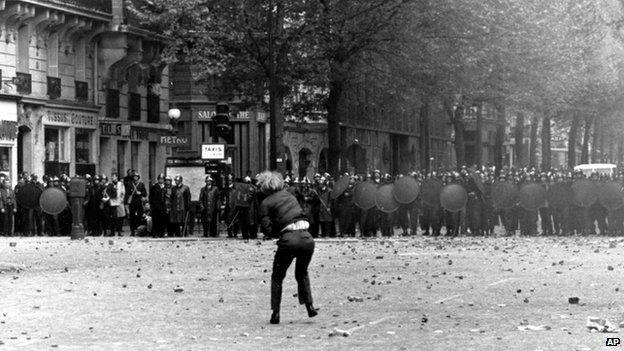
[504, 195]
[53, 201]
[532, 197]
[364, 195]
[340, 186]
[610, 195]
[28, 196]
[405, 190]
[453, 197]
[560, 195]
[384, 199]
[585, 192]
[430, 191]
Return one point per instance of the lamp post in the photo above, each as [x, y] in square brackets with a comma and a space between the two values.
[174, 115]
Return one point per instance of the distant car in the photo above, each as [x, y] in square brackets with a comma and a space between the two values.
[600, 168]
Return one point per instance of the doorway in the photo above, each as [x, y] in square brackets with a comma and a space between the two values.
[24, 149]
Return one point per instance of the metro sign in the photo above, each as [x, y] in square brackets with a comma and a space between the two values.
[175, 140]
[213, 151]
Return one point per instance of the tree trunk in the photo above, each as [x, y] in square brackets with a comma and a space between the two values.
[596, 150]
[533, 142]
[586, 136]
[620, 155]
[500, 138]
[460, 147]
[276, 94]
[519, 139]
[546, 137]
[425, 137]
[479, 136]
[333, 125]
[576, 122]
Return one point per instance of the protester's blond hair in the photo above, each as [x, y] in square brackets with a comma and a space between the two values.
[270, 181]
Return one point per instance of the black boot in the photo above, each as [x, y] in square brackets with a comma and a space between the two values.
[275, 319]
[311, 310]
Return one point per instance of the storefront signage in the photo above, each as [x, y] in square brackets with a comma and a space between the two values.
[71, 118]
[209, 114]
[115, 129]
[213, 151]
[8, 130]
[205, 115]
[175, 140]
[138, 133]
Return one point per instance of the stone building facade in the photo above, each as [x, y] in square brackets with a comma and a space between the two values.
[84, 89]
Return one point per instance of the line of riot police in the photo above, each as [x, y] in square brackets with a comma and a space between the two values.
[468, 201]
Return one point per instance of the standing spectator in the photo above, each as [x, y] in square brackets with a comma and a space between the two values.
[209, 207]
[95, 214]
[168, 190]
[180, 205]
[116, 192]
[135, 196]
[7, 206]
[157, 199]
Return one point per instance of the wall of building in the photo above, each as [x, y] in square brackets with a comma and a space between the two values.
[72, 53]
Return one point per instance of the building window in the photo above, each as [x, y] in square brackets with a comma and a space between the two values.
[83, 146]
[54, 144]
[5, 160]
[153, 106]
[112, 103]
[134, 107]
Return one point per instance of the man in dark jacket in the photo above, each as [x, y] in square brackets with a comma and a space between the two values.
[157, 201]
[209, 207]
[180, 205]
[135, 195]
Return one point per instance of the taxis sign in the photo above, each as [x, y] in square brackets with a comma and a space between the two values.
[213, 151]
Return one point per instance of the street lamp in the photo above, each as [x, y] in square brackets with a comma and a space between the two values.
[174, 115]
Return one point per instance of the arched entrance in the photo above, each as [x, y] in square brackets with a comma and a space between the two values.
[288, 162]
[304, 162]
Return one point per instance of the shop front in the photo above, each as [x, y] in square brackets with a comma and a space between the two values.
[56, 140]
[125, 146]
[8, 139]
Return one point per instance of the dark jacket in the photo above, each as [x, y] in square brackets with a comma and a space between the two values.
[133, 197]
[157, 198]
[209, 199]
[277, 211]
[180, 203]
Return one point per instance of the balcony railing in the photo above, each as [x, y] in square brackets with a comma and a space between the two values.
[93, 5]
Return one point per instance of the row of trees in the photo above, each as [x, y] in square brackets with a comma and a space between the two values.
[544, 60]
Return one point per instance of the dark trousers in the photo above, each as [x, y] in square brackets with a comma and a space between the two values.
[135, 216]
[546, 218]
[7, 221]
[174, 229]
[346, 221]
[159, 223]
[115, 222]
[243, 220]
[292, 244]
[209, 222]
[326, 229]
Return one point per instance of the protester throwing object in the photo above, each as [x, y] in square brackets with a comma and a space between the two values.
[282, 217]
